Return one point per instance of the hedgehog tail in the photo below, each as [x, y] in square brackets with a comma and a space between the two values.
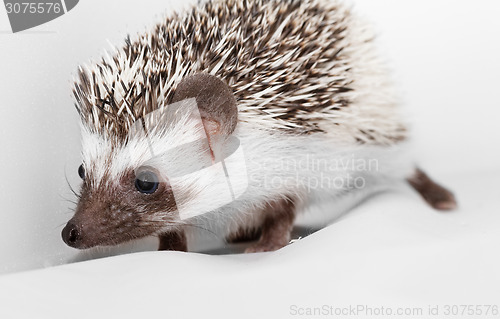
[436, 195]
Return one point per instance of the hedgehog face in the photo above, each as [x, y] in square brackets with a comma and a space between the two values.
[129, 159]
[138, 204]
[126, 192]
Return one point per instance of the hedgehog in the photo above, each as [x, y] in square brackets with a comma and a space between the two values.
[239, 117]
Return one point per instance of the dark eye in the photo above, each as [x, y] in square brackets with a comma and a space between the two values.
[81, 172]
[146, 182]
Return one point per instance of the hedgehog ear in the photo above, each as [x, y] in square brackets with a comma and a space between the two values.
[216, 103]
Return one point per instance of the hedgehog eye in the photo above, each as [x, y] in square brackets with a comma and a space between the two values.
[81, 172]
[146, 182]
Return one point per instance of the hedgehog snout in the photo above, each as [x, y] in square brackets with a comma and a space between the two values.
[71, 235]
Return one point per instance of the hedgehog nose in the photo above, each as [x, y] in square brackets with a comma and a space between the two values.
[71, 235]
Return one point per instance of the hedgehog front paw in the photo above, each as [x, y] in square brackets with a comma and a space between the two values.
[261, 246]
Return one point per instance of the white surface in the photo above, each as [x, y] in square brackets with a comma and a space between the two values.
[391, 251]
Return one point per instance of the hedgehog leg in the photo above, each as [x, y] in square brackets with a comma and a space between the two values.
[244, 235]
[173, 241]
[436, 195]
[276, 227]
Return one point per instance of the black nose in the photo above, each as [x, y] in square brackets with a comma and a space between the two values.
[71, 235]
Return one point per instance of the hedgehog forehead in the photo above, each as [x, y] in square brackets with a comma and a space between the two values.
[106, 161]
[107, 158]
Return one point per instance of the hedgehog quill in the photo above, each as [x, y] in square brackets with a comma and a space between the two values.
[294, 81]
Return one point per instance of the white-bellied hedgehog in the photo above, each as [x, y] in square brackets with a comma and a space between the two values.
[236, 116]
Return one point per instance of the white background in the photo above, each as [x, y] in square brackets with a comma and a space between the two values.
[445, 60]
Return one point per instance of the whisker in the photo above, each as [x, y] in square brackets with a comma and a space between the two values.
[70, 187]
[68, 200]
[202, 228]
[60, 225]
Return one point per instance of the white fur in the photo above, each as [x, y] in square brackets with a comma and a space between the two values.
[277, 165]
[267, 155]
